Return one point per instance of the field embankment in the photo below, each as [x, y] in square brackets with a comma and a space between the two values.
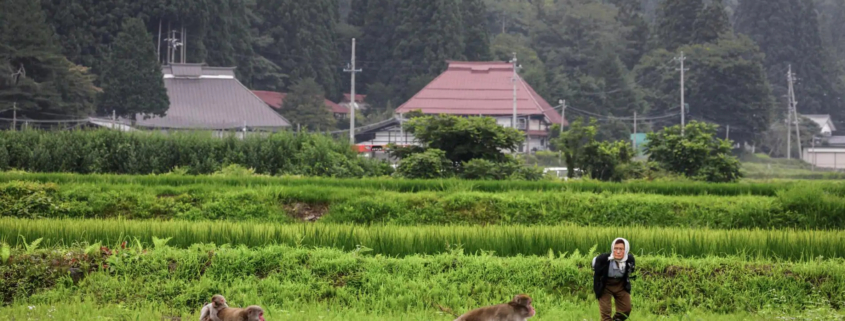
[805, 206]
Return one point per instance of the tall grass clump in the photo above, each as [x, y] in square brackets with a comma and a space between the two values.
[393, 240]
[105, 151]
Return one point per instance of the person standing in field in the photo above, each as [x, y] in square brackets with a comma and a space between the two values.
[611, 273]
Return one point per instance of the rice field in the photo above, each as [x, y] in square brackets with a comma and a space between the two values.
[393, 240]
[390, 249]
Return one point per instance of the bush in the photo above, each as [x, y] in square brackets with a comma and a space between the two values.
[430, 164]
[697, 154]
[104, 151]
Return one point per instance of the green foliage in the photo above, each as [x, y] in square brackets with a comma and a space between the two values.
[602, 160]
[772, 24]
[696, 154]
[34, 76]
[305, 105]
[182, 279]
[132, 83]
[463, 139]
[573, 143]
[145, 153]
[587, 204]
[426, 165]
[676, 22]
[475, 32]
[710, 23]
[742, 100]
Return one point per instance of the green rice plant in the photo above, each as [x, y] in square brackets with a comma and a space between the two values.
[393, 240]
[403, 185]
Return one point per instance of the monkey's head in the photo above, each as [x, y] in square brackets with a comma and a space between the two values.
[254, 313]
[523, 303]
[218, 301]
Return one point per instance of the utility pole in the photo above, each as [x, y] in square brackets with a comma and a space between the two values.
[562, 114]
[514, 79]
[683, 106]
[793, 115]
[113, 118]
[728, 133]
[635, 134]
[15, 116]
[352, 104]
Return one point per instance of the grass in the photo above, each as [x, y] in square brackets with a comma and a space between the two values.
[392, 240]
[166, 279]
[79, 310]
[403, 185]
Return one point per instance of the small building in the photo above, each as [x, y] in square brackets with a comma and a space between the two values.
[276, 101]
[487, 89]
[825, 157]
[825, 124]
[210, 98]
[360, 101]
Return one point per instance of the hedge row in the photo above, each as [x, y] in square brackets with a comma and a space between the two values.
[806, 207]
[104, 151]
[289, 277]
[675, 188]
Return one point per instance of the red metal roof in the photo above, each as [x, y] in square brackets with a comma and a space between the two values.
[358, 98]
[473, 88]
[276, 100]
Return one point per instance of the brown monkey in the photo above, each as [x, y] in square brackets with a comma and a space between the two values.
[209, 312]
[519, 309]
[251, 313]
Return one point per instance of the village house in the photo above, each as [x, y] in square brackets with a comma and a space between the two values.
[276, 101]
[205, 98]
[478, 89]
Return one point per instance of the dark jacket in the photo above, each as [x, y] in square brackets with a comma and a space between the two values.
[600, 273]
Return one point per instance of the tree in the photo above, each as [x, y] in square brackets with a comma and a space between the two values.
[726, 85]
[636, 31]
[787, 32]
[675, 22]
[710, 23]
[475, 32]
[34, 76]
[464, 139]
[573, 142]
[697, 154]
[603, 160]
[378, 41]
[133, 83]
[305, 105]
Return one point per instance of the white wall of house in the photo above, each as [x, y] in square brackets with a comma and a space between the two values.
[533, 124]
[825, 157]
[389, 136]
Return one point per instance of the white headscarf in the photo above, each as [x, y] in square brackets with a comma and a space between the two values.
[624, 257]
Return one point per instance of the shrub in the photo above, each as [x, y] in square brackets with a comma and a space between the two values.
[430, 164]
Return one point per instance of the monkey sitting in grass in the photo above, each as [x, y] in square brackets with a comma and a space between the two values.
[209, 311]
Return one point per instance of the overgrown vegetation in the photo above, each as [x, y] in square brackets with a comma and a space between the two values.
[182, 279]
[104, 151]
[694, 152]
[802, 206]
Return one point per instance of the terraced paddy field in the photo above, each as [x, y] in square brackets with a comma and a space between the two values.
[89, 247]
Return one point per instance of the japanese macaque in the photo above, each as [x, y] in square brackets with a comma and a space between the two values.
[519, 309]
[251, 313]
[209, 311]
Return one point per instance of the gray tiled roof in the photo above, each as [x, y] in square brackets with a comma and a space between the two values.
[213, 103]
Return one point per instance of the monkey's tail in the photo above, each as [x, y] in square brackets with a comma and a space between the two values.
[446, 310]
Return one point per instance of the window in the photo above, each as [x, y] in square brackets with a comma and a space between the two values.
[542, 142]
[521, 123]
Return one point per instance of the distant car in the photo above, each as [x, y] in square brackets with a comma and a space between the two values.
[561, 172]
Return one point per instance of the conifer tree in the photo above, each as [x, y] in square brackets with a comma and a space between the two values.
[305, 105]
[132, 82]
[675, 22]
[475, 32]
[34, 76]
[710, 23]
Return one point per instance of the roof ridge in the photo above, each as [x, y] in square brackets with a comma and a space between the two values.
[262, 102]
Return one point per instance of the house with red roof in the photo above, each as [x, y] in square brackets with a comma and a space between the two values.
[276, 101]
[487, 89]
